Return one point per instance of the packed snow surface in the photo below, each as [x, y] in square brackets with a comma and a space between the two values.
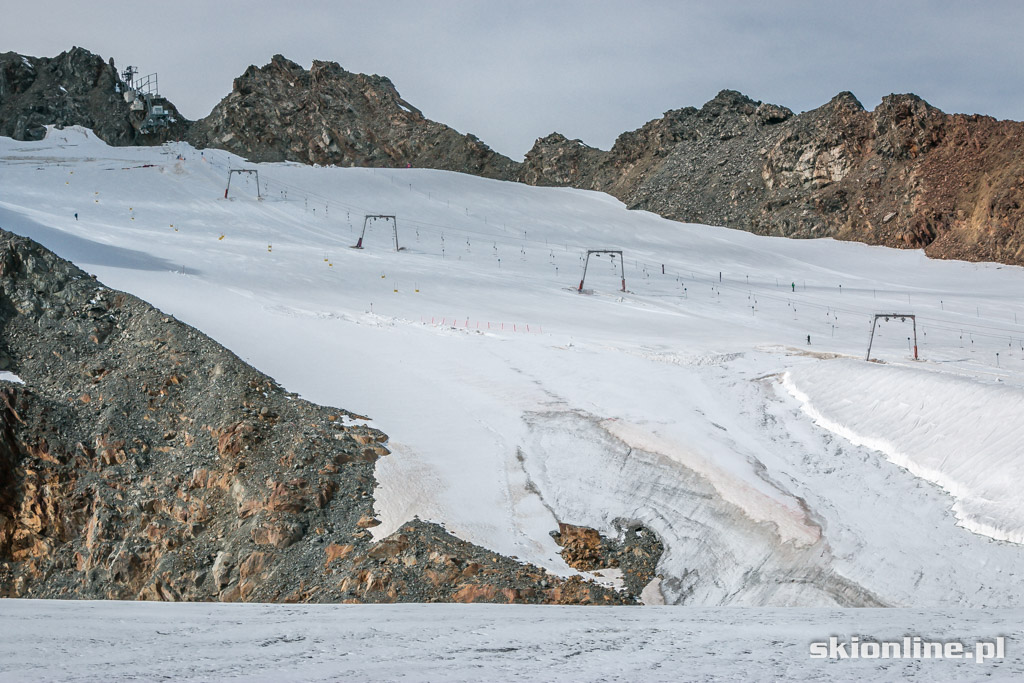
[964, 435]
[721, 401]
[104, 641]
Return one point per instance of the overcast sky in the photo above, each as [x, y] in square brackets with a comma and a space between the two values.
[511, 71]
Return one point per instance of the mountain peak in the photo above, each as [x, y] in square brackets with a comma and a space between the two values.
[77, 87]
[331, 116]
[730, 101]
[846, 100]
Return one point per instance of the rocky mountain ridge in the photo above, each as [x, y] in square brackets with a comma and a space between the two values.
[903, 175]
[278, 112]
[326, 115]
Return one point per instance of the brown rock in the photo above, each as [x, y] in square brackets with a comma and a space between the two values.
[254, 565]
[573, 591]
[337, 551]
[581, 547]
[442, 577]
[392, 546]
[475, 593]
[367, 522]
[231, 440]
[277, 534]
[289, 497]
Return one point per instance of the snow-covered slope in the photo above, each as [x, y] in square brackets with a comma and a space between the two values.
[145, 641]
[512, 401]
[964, 435]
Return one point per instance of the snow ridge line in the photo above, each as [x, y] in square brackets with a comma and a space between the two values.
[951, 486]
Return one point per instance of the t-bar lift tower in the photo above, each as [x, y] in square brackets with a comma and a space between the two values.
[611, 254]
[251, 171]
[367, 219]
[903, 318]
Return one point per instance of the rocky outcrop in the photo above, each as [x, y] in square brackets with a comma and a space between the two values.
[636, 552]
[326, 115]
[75, 88]
[556, 160]
[141, 460]
[903, 175]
